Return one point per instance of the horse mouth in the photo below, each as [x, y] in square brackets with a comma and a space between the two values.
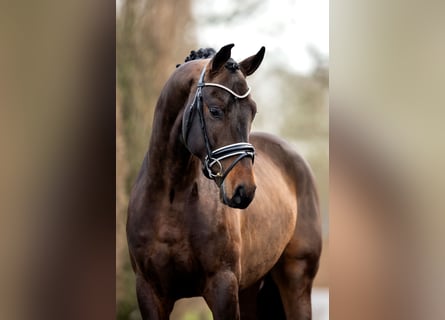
[240, 200]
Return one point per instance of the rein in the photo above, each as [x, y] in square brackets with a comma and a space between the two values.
[240, 149]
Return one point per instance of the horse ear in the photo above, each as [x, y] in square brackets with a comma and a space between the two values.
[249, 65]
[221, 58]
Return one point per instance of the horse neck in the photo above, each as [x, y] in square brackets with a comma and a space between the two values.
[170, 164]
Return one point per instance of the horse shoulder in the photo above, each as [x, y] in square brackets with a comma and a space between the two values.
[284, 156]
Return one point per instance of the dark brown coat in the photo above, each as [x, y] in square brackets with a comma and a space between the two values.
[184, 239]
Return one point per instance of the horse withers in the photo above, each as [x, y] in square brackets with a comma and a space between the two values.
[219, 212]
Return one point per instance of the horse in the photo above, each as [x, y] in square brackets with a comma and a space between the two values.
[217, 211]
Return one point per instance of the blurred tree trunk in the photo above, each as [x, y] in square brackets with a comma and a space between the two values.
[121, 196]
[152, 37]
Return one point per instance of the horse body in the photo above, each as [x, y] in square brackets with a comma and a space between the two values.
[184, 239]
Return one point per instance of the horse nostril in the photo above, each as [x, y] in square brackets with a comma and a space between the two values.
[240, 193]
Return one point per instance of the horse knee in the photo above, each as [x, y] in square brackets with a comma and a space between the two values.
[221, 294]
[301, 267]
[150, 304]
[294, 279]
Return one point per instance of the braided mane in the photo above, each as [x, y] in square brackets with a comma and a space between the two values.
[204, 53]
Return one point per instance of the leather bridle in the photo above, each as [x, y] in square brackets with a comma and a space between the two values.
[214, 158]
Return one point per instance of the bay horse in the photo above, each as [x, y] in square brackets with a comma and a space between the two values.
[204, 219]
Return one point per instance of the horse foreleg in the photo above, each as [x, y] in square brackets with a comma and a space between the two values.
[294, 277]
[248, 301]
[152, 307]
[221, 295]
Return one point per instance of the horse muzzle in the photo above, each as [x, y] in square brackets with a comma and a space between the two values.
[239, 196]
[240, 199]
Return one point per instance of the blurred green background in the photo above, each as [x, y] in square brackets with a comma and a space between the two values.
[290, 88]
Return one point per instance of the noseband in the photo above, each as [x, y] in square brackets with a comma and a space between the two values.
[214, 158]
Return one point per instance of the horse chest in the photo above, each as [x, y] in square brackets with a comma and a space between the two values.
[170, 245]
[196, 238]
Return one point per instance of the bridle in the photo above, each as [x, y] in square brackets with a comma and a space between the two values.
[214, 158]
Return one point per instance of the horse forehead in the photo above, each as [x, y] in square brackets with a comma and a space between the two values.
[231, 79]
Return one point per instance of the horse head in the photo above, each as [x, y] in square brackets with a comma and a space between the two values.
[217, 121]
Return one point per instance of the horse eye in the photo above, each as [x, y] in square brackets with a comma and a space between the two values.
[216, 112]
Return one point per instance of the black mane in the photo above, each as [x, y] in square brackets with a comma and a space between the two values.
[204, 53]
